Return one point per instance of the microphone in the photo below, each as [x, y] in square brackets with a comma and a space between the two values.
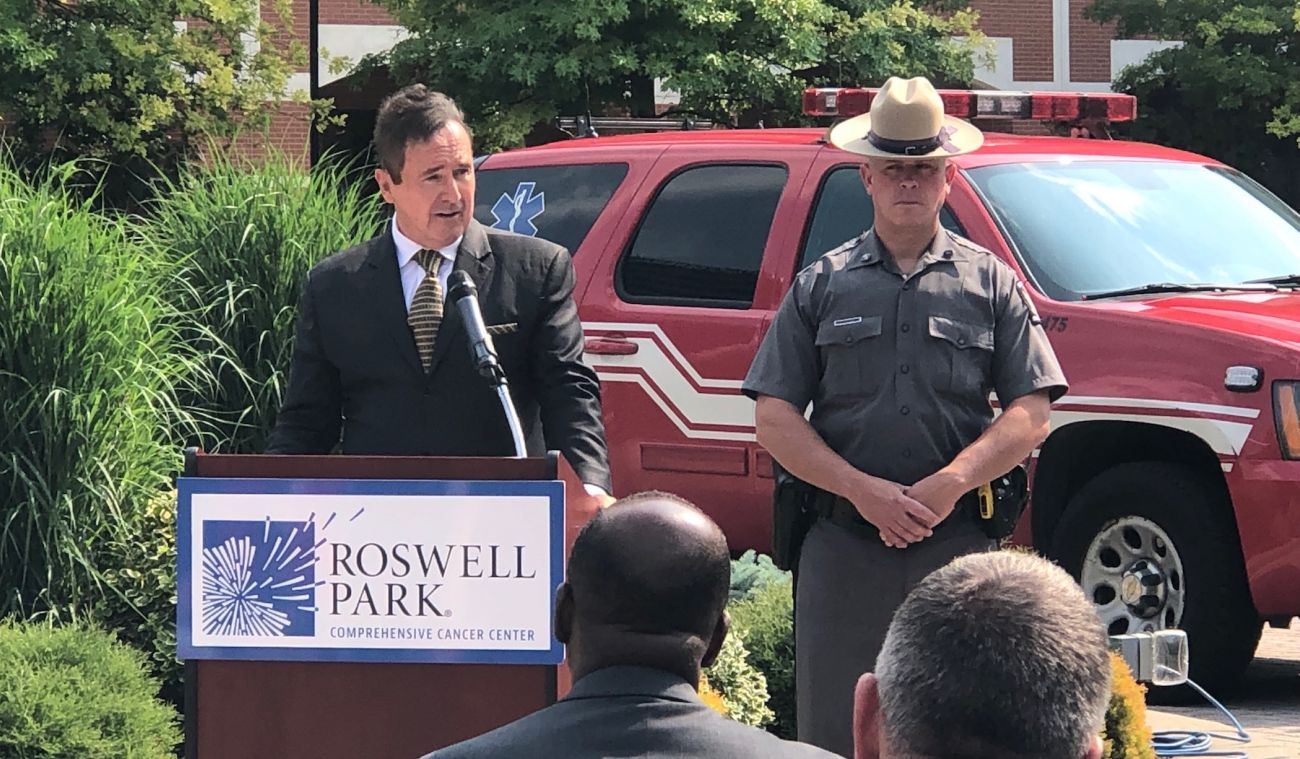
[461, 290]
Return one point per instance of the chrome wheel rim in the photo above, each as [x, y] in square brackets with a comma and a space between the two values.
[1134, 576]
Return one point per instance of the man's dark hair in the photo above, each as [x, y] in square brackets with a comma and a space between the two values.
[412, 114]
[649, 580]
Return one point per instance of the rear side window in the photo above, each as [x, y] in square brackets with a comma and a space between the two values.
[843, 212]
[701, 241]
[556, 203]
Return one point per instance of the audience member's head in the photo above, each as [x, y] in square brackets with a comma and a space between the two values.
[995, 655]
[647, 586]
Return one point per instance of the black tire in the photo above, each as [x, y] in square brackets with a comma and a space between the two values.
[1193, 511]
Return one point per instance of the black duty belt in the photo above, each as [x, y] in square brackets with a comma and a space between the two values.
[842, 512]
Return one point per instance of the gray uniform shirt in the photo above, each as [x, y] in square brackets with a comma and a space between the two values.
[898, 368]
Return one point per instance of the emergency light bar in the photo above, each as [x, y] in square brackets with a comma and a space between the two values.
[845, 102]
[583, 126]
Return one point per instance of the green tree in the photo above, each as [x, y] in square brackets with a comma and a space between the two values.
[129, 83]
[1230, 91]
[514, 63]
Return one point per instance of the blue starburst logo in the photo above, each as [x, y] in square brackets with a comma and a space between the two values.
[516, 213]
[259, 577]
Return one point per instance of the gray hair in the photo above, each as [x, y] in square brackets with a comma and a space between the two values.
[996, 654]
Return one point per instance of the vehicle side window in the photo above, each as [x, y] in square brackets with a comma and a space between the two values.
[843, 211]
[556, 203]
[701, 241]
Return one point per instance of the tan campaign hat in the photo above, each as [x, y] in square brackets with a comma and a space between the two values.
[906, 121]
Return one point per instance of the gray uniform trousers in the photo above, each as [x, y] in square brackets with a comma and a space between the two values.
[850, 583]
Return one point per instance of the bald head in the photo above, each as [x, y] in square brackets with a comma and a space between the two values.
[647, 584]
[654, 563]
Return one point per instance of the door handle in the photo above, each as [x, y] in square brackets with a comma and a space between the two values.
[612, 345]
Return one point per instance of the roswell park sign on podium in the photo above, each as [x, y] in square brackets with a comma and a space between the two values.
[369, 570]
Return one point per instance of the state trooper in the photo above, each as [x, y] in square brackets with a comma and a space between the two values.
[896, 339]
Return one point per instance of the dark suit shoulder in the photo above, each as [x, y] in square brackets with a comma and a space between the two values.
[349, 261]
[755, 742]
[628, 726]
[529, 259]
[532, 730]
[516, 246]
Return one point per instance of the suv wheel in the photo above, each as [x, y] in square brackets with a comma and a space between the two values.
[1154, 545]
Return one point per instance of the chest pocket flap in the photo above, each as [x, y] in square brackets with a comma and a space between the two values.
[847, 331]
[961, 334]
[852, 361]
[967, 351]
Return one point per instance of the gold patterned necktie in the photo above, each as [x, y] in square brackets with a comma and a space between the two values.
[426, 306]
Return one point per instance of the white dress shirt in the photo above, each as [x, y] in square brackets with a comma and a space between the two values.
[413, 274]
[411, 270]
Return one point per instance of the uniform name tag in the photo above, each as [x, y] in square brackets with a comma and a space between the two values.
[847, 322]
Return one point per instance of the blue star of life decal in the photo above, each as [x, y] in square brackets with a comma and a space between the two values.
[259, 578]
[516, 213]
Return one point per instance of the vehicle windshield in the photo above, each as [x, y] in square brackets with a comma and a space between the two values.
[1084, 228]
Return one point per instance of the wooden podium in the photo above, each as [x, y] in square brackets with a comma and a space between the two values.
[351, 710]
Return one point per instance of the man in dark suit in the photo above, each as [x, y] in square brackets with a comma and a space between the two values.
[644, 608]
[379, 359]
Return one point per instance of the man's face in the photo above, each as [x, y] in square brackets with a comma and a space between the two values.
[908, 193]
[435, 199]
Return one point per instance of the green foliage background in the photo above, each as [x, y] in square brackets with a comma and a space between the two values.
[513, 63]
[1230, 91]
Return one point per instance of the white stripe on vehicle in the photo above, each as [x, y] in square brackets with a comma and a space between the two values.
[676, 419]
[691, 401]
[650, 346]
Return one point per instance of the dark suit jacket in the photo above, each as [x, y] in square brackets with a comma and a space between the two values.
[355, 368]
[628, 711]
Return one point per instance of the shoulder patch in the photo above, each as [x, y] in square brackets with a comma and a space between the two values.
[841, 250]
[961, 242]
[847, 245]
[1029, 303]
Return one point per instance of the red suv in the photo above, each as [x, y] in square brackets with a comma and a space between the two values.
[1170, 484]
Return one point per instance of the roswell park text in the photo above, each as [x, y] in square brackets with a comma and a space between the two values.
[358, 575]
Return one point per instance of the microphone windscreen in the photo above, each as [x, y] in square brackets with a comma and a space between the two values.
[460, 285]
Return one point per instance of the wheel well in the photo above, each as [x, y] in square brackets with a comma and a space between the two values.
[1078, 452]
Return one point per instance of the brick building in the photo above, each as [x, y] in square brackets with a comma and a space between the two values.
[1036, 45]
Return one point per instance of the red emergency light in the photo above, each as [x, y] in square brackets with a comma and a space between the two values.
[844, 102]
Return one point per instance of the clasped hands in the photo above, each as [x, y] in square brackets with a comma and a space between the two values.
[907, 514]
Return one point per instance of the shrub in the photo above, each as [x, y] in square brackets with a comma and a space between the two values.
[753, 571]
[90, 362]
[142, 606]
[245, 236]
[743, 688]
[1126, 734]
[74, 692]
[766, 619]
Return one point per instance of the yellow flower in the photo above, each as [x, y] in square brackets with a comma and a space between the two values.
[711, 697]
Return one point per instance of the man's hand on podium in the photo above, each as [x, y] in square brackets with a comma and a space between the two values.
[596, 499]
